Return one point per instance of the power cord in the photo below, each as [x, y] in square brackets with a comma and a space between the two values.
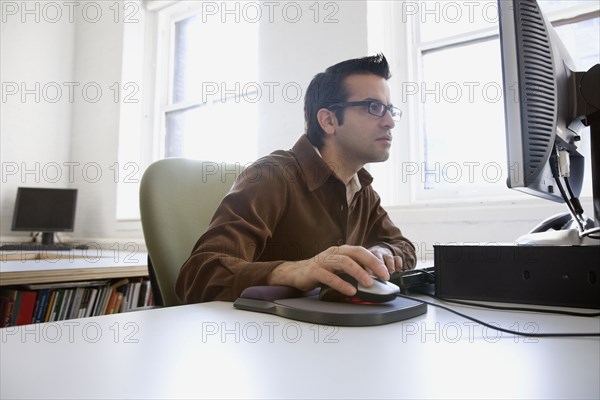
[559, 166]
[513, 308]
[556, 174]
[500, 329]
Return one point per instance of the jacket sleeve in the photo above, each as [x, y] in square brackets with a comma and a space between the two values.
[223, 261]
[382, 231]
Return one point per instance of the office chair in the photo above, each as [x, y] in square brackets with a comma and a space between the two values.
[178, 198]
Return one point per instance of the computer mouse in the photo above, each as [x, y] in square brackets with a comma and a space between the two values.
[380, 292]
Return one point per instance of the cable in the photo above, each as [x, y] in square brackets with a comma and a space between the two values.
[497, 328]
[555, 169]
[574, 200]
[513, 308]
[563, 170]
[430, 276]
[569, 205]
[589, 232]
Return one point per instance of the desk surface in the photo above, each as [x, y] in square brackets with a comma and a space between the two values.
[76, 265]
[215, 351]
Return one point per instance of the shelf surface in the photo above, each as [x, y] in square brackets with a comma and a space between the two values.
[47, 267]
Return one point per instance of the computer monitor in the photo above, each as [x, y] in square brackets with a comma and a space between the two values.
[45, 210]
[546, 104]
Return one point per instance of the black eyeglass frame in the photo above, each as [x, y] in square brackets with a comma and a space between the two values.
[395, 112]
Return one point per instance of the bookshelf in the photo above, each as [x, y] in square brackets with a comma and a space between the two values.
[52, 286]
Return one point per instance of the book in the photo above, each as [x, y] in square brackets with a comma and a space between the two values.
[92, 299]
[14, 298]
[150, 293]
[7, 308]
[41, 305]
[64, 308]
[76, 303]
[127, 300]
[143, 295]
[50, 306]
[136, 294]
[116, 286]
[57, 304]
[3, 306]
[12, 307]
[27, 307]
[118, 303]
[103, 301]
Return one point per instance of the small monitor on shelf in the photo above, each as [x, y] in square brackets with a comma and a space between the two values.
[45, 210]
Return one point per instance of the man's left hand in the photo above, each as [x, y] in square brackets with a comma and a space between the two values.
[392, 262]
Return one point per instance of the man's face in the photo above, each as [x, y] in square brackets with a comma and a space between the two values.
[363, 137]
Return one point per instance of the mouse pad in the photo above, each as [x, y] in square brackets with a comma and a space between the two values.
[289, 303]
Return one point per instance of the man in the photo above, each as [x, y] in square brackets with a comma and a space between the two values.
[301, 217]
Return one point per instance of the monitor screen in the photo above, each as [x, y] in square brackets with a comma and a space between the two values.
[44, 210]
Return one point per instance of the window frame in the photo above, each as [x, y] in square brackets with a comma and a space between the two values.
[168, 17]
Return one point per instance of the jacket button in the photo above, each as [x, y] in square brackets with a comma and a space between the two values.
[340, 242]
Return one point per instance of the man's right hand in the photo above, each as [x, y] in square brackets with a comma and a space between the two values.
[323, 269]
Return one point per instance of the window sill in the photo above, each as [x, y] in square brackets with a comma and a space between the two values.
[509, 210]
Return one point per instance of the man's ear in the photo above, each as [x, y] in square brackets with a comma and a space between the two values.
[327, 120]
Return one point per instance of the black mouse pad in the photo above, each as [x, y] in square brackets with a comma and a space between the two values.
[309, 308]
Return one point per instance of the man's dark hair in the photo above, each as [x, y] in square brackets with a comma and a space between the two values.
[328, 88]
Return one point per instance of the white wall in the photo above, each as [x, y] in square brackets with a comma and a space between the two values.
[291, 53]
[35, 126]
[79, 48]
[96, 122]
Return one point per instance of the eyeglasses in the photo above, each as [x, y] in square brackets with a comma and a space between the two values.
[374, 107]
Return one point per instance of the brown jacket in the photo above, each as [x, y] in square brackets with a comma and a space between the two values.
[287, 206]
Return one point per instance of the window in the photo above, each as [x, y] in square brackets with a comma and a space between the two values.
[204, 95]
[209, 102]
[454, 89]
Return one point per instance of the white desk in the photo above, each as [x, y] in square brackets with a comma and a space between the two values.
[215, 351]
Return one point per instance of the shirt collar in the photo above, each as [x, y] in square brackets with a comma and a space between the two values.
[352, 188]
[316, 171]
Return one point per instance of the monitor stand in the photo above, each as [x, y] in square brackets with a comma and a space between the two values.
[564, 237]
[47, 237]
[559, 230]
